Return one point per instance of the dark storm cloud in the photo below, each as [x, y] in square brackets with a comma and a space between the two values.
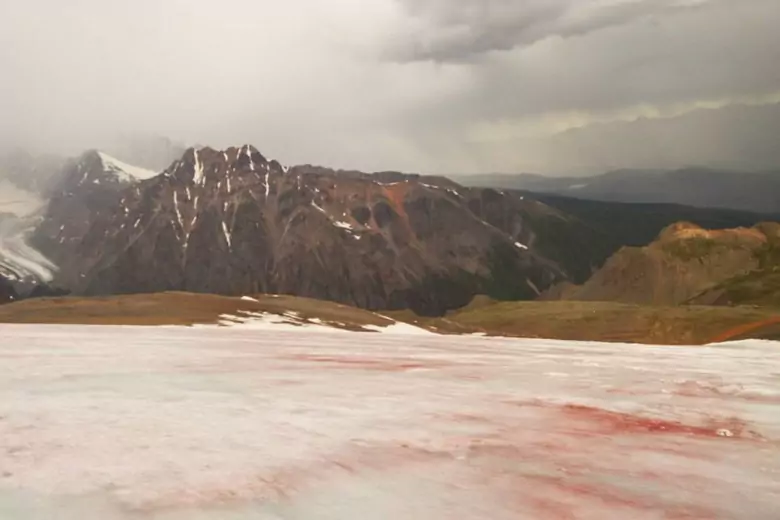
[541, 68]
[458, 30]
[473, 85]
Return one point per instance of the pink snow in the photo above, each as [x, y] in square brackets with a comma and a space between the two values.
[178, 423]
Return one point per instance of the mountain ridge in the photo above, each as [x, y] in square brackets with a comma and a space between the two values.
[235, 222]
[231, 221]
[692, 186]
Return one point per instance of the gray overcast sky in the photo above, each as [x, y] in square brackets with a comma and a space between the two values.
[549, 86]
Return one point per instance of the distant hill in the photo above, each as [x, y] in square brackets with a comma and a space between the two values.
[688, 264]
[639, 224]
[699, 187]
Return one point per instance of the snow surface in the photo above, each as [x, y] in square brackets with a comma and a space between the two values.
[125, 172]
[293, 321]
[174, 423]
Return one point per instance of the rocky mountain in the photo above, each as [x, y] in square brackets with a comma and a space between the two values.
[234, 222]
[699, 187]
[88, 190]
[685, 264]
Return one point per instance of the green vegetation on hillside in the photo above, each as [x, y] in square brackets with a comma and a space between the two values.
[583, 321]
[600, 321]
[760, 287]
[178, 308]
[695, 248]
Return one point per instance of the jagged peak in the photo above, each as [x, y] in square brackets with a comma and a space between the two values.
[113, 164]
[197, 163]
[94, 166]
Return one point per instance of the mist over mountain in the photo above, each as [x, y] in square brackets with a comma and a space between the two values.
[566, 87]
[700, 187]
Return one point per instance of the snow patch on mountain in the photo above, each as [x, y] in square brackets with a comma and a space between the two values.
[198, 176]
[125, 172]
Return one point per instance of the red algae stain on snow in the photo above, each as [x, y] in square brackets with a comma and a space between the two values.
[555, 498]
[392, 430]
[718, 390]
[593, 420]
[548, 483]
[381, 364]
[276, 485]
[609, 422]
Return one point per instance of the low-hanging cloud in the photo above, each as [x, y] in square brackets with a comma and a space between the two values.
[421, 85]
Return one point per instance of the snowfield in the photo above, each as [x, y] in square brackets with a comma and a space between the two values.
[242, 423]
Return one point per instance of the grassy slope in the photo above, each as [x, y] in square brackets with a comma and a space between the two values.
[760, 287]
[597, 321]
[175, 308]
[555, 320]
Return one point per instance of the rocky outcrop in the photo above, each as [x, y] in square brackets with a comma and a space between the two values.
[681, 264]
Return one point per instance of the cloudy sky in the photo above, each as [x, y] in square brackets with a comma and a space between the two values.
[441, 86]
